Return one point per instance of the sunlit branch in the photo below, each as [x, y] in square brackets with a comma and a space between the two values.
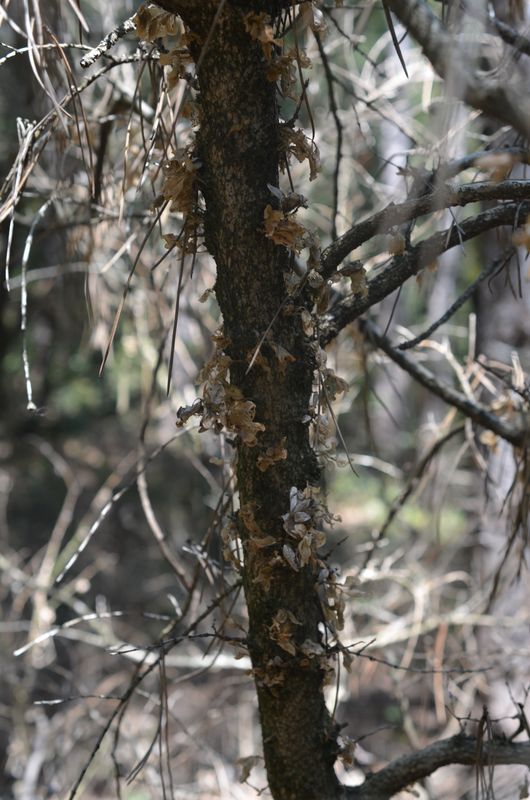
[109, 41]
[475, 411]
[19, 51]
[409, 263]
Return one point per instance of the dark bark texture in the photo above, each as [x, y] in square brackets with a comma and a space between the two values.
[238, 149]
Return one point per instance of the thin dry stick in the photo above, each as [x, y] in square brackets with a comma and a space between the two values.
[157, 531]
[175, 319]
[18, 51]
[140, 677]
[109, 505]
[71, 81]
[26, 132]
[495, 267]
[44, 577]
[39, 216]
[515, 435]
[128, 285]
[412, 484]
[125, 162]
[33, 136]
[338, 125]
[109, 41]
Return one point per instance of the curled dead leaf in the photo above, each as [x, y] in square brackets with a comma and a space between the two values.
[247, 516]
[240, 420]
[290, 556]
[347, 750]
[284, 230]
[272, 454]
[179, 186]
[296, 143]
[257, 24]
[186, 412]
[395, 243]
[490, 439]
[281, 630]
[247, 764]
[153, 23]
[312, 649]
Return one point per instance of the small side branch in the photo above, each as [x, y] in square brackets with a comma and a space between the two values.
[397, 214]
[481, 415]
[459, 749]
[404, 266]
[108, 42]
[495, 267]
[512, 37]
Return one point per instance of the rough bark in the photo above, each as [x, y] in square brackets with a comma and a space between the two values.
[238, 148]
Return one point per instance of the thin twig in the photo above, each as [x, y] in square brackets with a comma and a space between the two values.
[458, 303]
[109, 41]
[140, 677]
[481, 415]
[412, 484]
[409, 263]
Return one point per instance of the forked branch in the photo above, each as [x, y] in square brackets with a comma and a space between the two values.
[409, 263]
[442, 197]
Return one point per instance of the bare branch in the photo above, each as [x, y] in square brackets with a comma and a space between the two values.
[486, 93]
[513, 37]
[442, 197]
[406, 265]
[109, 41]
[453, 168]
[495, 267]
[459, 749]
[481, 415]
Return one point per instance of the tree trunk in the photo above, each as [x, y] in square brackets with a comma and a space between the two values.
[238, 150]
